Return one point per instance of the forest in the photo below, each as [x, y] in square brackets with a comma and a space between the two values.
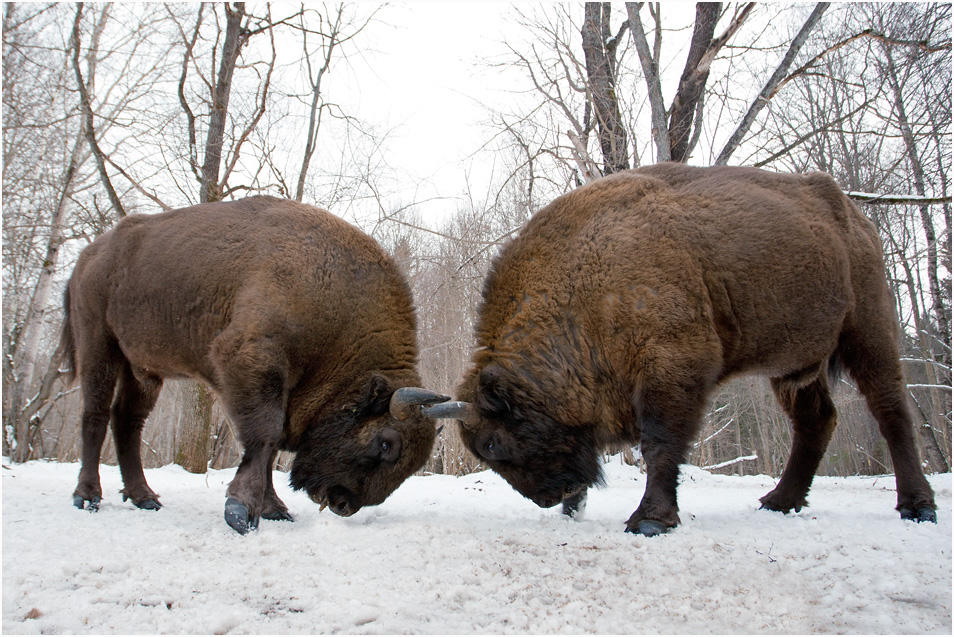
[115, 109]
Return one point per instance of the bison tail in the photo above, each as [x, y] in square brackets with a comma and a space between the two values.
[67, 346]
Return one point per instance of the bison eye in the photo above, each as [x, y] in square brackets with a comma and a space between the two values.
[387, 445]
[491, 449]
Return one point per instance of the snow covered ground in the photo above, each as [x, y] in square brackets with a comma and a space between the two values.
[451, 555]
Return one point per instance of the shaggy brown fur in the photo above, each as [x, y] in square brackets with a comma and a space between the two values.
[299, 321]
[621, 305]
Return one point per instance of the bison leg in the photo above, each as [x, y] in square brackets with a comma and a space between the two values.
[574, 506]
[664, 445]
[246, 500]
[135, 398]
[671, 416]
[273, 507]
[658, 510]
[253, 390]
[98, 380]
[874, 365]
[813, 421]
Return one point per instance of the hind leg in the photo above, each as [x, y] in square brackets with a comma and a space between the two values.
[98, 383]
[874, 364]
[813, 421]
[135, 398]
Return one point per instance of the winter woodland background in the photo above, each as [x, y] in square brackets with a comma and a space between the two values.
[117, 109]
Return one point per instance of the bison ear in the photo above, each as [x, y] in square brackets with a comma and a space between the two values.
[493, 396]
[375, 398]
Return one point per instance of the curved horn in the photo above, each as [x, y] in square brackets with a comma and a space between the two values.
[405, 399]
[464, 412]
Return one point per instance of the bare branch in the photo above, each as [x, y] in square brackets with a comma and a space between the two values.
[98, 155]
[769, 89]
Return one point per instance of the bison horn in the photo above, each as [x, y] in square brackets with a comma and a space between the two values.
[464, 412]
[405, 399]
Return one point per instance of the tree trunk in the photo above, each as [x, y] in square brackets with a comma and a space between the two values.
[17, 426]
[693, 81]
[650, 66]
[211, 188]
[195, 439]
[599, 49]
[317, 107]
[941, 311]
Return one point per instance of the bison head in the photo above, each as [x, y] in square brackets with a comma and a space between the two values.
[359, 455]
[516, 434]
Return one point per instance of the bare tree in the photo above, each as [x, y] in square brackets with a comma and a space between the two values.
[23, 350]
[599, 51]
[334, 31]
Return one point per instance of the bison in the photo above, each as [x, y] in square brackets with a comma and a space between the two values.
[620, 306]
[302, 325]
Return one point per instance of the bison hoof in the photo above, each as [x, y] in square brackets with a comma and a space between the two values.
[649, 528]
[236, 516]
[80, 503]
[574, 506]
[921, 514]
[280, 516]
[780, 508]
[149, 505]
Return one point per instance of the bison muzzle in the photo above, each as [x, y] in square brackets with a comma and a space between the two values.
[620, 306]
[302, 325]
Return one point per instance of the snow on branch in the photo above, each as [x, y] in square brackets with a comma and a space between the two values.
[719, 431]
[731, 462]
[867, 197]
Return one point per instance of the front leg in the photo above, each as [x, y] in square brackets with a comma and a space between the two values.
[274, 508]
[245, 501]
[574, 505]
[254, 390]
[658, 511]
[664, 445]
[670, 416]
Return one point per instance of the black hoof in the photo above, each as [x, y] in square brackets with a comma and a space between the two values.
[649, 528]
[770, 507]
[149, 504]
[922, 514]
[236, 516]
[80, 503]
[574, 506]
[279, 516]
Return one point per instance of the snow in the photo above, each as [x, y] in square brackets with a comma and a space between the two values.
[447, 555]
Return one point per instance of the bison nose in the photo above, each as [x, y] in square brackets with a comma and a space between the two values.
[342, 508]
[342, 501]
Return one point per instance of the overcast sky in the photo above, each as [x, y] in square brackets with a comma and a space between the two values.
[426, 82]
[424, 78]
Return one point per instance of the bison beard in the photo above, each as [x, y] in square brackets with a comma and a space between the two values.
[619, 307]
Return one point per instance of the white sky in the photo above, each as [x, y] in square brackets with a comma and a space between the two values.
[427, 84]
[425, 79]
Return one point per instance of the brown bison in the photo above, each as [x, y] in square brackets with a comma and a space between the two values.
[299, 321]
[620, 306]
